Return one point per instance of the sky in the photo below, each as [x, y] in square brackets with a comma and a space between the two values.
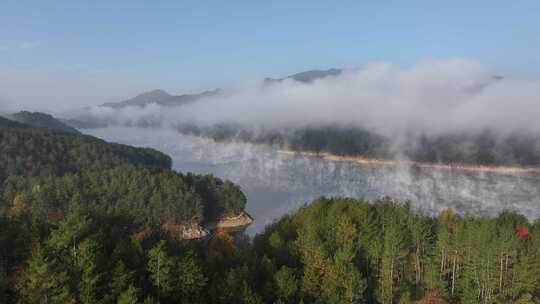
[57, 55]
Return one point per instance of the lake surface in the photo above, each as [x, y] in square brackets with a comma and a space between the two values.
[276, 183]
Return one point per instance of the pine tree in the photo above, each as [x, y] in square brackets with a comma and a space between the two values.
[121, 279]
[129, 296]
[342, 282]
[41, 282]
[3, 284]
[422, 239]
[70, 232]
[88, 263]
[190, 279]
[395, 248]
[162, 270]
[286, 283]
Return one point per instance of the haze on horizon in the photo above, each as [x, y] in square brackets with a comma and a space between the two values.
[66, 55]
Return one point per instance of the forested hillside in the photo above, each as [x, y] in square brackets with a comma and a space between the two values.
[149, 198]
[331, 251]
[8, 123]
[33, 152]
[350, 251]
[75, 209]
[85, 221]
[42, 121]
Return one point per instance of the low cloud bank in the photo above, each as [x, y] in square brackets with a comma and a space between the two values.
[431, 97]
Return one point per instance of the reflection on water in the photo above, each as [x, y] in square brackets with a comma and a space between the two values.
[276, 183]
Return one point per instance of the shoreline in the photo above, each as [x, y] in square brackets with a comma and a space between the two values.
[463, 167]
[509, 170]
[366, 161]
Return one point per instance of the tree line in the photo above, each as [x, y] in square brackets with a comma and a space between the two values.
[334, 250]
[29, 151]
[476, 148]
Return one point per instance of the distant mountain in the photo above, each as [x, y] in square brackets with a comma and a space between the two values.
[42, 120]
[162, 98]
[7, 123]
[84, 123]
[308, 76]
[140, 100]
[84, 119]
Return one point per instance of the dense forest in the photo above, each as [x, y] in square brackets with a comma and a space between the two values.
[85, 221]
[480, 148]
[53, 181]
[38, 152]
[331, 251]
[350, 251]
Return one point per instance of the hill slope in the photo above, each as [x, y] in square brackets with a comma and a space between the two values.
[31, 152]
[42, 121]
[8, 123]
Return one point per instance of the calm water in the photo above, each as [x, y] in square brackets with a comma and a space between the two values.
[277, 183]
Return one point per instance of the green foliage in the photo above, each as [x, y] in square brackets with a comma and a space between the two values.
[37, 152]
[80, 232]
[151, 197]
[237, 288]
[162, 269]
[176, 278]
[415, 258]
[286, 283]
[129, 296]
[121, 283]
[42, 121]
[44, 282]
[3, 284]
[332, 251]
[223, 198]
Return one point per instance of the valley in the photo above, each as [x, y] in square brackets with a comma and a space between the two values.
[277, 183]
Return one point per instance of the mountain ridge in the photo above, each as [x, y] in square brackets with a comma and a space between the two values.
[42, 121]
[307, 76]
[162, 98]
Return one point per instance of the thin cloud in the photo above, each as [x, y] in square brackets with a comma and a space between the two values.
[19, 46]
[430, 97]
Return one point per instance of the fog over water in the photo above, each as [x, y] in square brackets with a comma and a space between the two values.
[276, 183]
[432, 97]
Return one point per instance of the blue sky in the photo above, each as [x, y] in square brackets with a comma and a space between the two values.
[111, 49]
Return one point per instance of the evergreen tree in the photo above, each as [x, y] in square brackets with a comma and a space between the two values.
[394, 250]
[191, 279]
[161, 267]
[286, 284]
[3, 284]
[88, 263]
[43, 282]
[129, 296]
[120, 281]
